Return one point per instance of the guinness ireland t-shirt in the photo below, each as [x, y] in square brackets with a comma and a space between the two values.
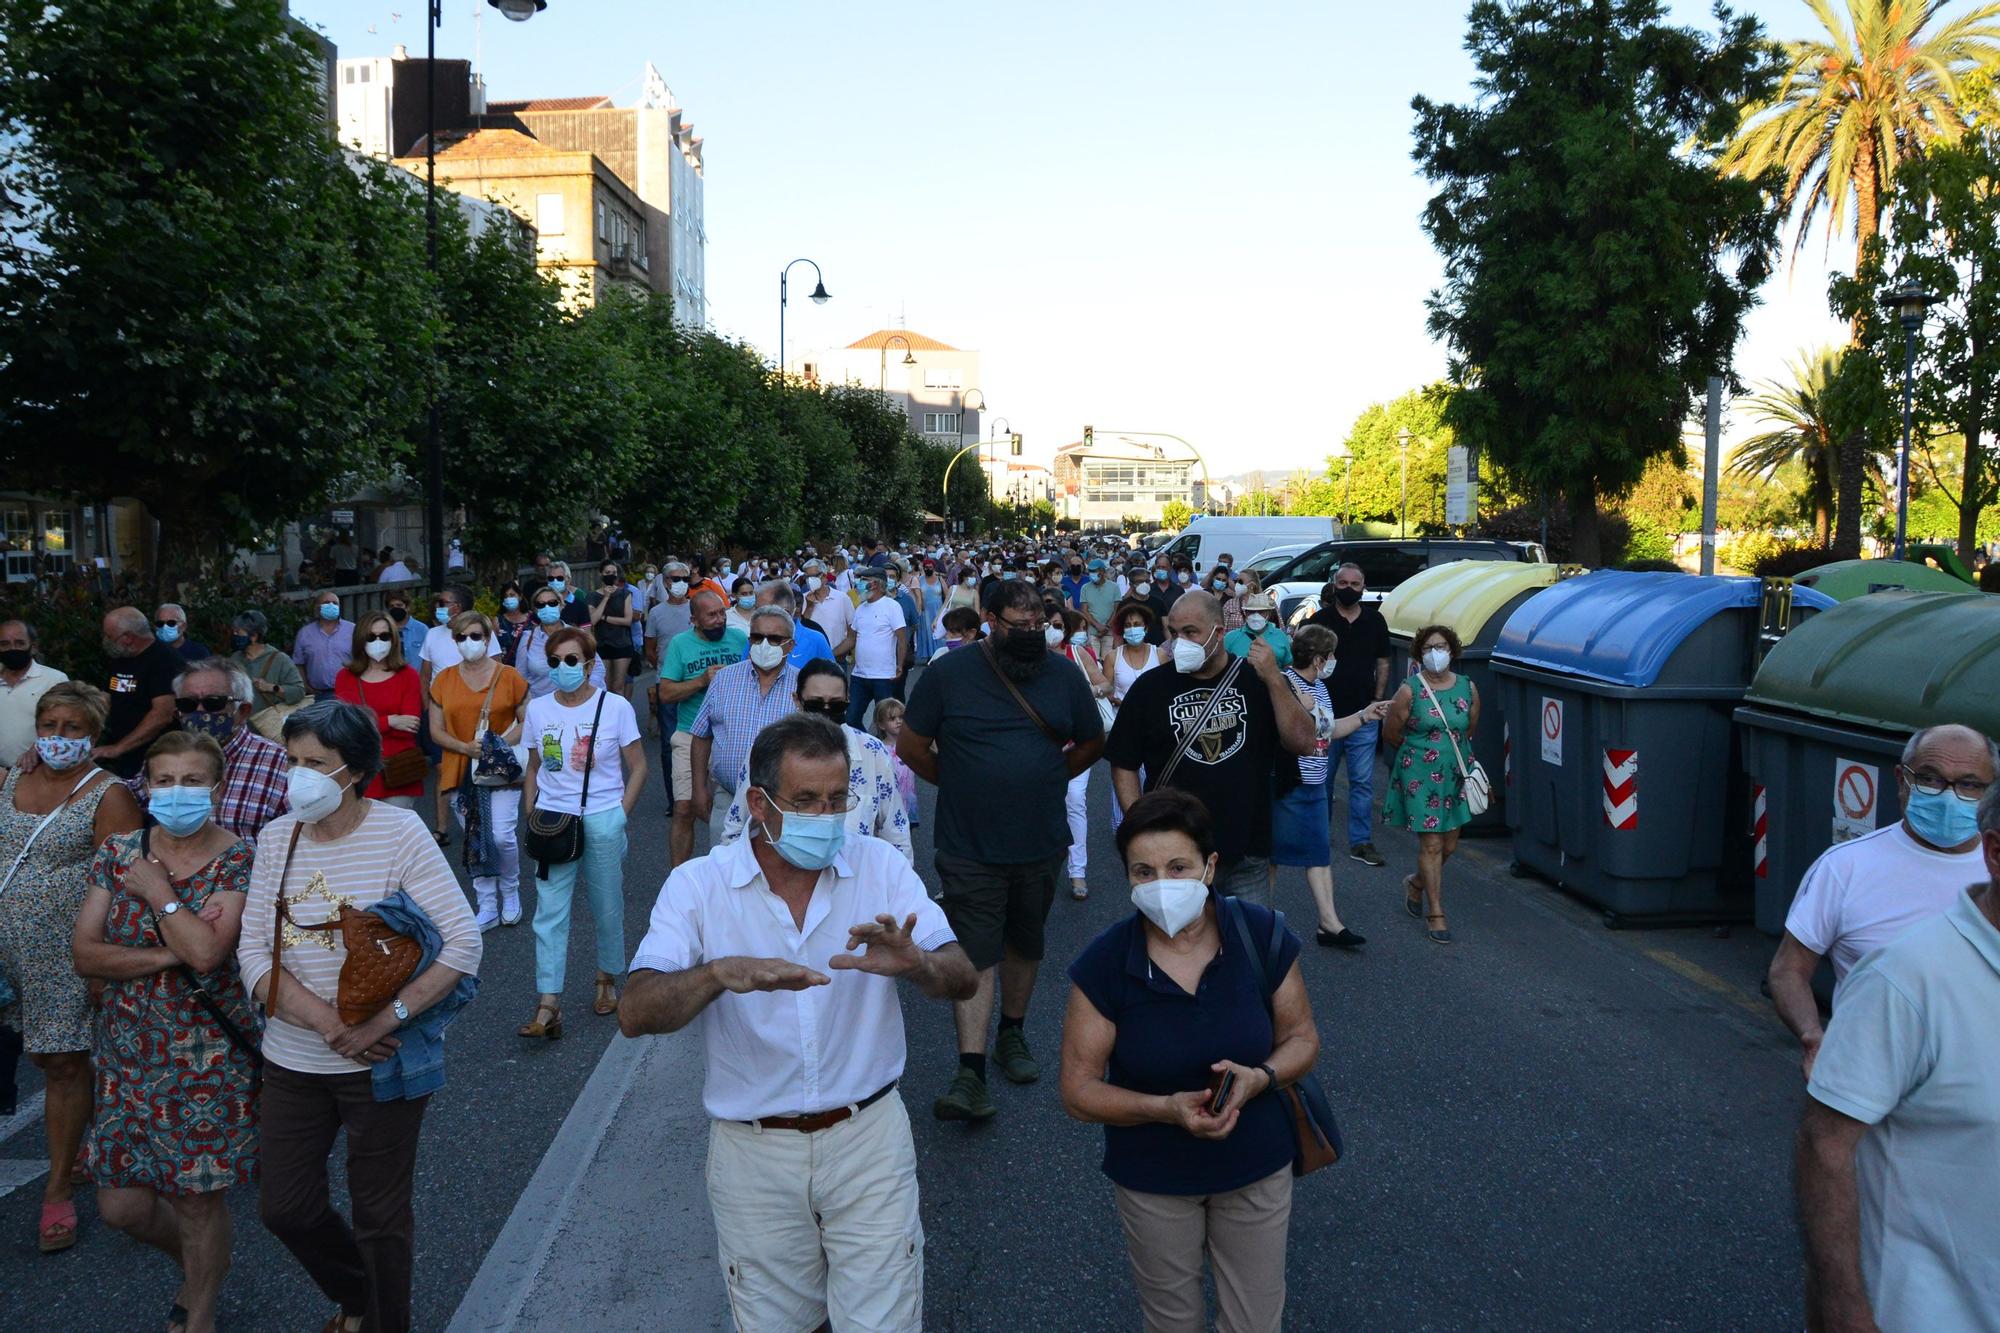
[1228, 765]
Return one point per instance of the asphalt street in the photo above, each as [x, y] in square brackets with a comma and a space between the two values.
[1549, 1125]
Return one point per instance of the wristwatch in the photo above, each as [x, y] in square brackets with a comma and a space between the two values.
[173, 905]
[400, 1010]
[1270, 1074]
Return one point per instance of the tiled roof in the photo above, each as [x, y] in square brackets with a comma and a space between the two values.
[547, 104]
[485, 143]
[917, 342]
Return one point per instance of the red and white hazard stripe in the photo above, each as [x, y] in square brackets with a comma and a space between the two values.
[1761, 825]
[1621, 788]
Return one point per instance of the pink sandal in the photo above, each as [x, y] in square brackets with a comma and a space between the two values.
[58, 1226]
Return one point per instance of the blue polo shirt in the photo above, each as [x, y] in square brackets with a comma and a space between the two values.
[1167, 1039]
[807, 644]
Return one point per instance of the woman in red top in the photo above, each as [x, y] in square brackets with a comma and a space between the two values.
[377, 678]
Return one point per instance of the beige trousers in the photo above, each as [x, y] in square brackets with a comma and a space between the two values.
[1243, 1233]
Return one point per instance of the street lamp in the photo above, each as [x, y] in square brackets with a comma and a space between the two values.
[1403, 517]
[520, 11]
[882, 371]
[1909, 300]
[820, 296]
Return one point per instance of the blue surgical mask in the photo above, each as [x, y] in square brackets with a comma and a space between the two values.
[568, 677]
[1079, 638]
[167, 633]
[1135, 635]
[744, 603]
[557, 585]
[180, 810]
[510, 603]
[442, 615]
[809, 842]
[548, 615]
[329, 611]
[1942, 820]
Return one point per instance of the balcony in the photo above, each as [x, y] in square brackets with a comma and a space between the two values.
[624, 260]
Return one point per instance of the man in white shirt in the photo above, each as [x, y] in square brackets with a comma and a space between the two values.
[812, 1171]
[1864, 893]
[881, 645]
[831, 611]
[396, 571]
[1898, 1180]
[23, 681]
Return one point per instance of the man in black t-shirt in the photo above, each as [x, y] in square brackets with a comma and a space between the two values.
[1002, 829]
[1230, 764]
[1360, 677]
[141, 686]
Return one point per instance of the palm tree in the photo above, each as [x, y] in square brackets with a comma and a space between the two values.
[1800, 431]
[1854, 104]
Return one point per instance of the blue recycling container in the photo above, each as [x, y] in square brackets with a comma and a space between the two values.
[1624, 781]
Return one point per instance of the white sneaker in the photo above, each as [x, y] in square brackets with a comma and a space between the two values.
[510, 910]
[487, 919]
[1079, 890]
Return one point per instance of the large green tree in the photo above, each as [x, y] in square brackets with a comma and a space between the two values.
[204, 306]
[1597, 265]
[1797, 428]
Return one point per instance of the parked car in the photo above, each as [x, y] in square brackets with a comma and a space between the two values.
[1211, 535]
[1273, 557]
[1385, 564]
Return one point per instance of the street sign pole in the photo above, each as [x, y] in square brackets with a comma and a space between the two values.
[1711, 465]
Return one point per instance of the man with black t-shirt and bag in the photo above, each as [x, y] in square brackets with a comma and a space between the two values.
[1000, 728]
[1206, 728]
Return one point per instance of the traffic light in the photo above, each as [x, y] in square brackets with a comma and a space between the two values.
[1015, 440]
[1089, 436]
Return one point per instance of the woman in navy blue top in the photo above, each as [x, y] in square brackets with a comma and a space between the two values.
[1164, 1003]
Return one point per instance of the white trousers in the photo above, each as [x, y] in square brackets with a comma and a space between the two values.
[818, 1227]
[489, 889]
[1076, 804]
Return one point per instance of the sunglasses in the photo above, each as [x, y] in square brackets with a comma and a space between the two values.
[166, 624]
[830, 707]
[468, 638]
[778, 639]
[380, 637]
[566, 659]
[207, 703]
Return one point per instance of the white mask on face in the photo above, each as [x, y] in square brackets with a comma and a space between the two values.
[1189, 654]
[1255, 622]
[678, 588]
[1436, 660]
[313, 795]
[764, 656]
[1170, 904]
[814, 582]
[378, 649]
[1054, 635]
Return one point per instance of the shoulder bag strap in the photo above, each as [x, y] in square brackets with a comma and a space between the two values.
[200, 992]
[47, 820]
[590, 751]
[1214, 702]
[993, 660]
[278, 917]
[1445, 721]
[486, 705]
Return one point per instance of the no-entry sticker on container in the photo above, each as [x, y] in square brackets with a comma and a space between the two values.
[1856, 795]
[1552, 731]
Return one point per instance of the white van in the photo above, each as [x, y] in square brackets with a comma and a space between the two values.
[1212, 535]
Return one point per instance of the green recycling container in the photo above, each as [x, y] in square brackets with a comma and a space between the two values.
[1824, 723]
[1474, 598]
[1844, 580]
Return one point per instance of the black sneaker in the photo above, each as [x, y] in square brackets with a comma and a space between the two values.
[1010, 1052]
[965, 1099]
[1365, 853]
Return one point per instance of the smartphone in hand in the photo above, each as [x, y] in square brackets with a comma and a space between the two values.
[1219, 1089]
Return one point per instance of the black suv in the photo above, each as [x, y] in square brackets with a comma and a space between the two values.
[1385, 564]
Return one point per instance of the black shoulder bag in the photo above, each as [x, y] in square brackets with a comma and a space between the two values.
[557, 839]
[1315, 1133]
[202, 997]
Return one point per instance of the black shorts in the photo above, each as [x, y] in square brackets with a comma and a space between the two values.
[996, 908]
[615, 654]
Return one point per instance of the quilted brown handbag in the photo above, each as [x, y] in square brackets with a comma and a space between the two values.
[379, 959]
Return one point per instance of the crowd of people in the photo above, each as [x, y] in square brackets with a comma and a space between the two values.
[202, 855]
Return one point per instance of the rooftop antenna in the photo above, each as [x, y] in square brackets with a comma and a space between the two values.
[478, 39]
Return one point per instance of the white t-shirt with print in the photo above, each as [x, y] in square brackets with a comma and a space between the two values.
[555, 735]
[875, 626]
[1862, 894]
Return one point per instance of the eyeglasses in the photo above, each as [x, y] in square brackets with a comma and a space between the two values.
[468, 638]
[1024, 628]
[565, 659]
[207, 703]
[830, 707]
[778, 639]
[380, 637]
[1969, 790]
[829, 805]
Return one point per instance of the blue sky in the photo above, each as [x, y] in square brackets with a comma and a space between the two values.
[1194, 218]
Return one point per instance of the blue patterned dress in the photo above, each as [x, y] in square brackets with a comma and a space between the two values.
[1424, 783]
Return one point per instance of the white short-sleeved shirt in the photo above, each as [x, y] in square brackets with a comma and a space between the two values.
[770, 1053]
[1862, 894]
[17, 709]
[555, 735]
[1911, 1052]
[439, 650]
[832, 615]
[875, 626]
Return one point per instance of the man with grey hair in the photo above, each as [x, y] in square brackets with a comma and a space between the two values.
[23, 681]
[1359, 677]
[743, 699]
[215, 698]
[141, 686]
[808, 643]
[1895, 1170]
[1863, 893]
[170, 624]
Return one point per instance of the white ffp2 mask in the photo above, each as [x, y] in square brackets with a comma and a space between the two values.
[1170, 904]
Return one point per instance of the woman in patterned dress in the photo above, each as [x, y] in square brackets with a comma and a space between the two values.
[76, 806]
[176, 1121]
[1426, 790]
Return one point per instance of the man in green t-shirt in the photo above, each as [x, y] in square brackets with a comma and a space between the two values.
[1098, 599]
[692, 658]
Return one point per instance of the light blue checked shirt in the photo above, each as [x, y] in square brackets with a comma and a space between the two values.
[735, 711]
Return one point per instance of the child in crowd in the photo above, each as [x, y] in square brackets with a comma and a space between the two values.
[961, 626]
[889, 726]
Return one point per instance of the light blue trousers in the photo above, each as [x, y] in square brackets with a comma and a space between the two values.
[603, 867]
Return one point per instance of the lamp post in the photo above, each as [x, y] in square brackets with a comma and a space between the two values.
[944, 491]
[1403, 515]
[820, 296]
[520, 11]
[1909, 300]
[882, 371]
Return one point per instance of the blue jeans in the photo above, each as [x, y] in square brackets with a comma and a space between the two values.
[603, 867]
[861, 692]
[1359, 752]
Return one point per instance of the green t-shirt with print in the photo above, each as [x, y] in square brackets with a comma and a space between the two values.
[688, 655]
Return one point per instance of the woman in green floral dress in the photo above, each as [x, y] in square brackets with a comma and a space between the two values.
[1426, 791]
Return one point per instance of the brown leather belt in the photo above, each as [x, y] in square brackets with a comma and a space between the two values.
[818, 1120]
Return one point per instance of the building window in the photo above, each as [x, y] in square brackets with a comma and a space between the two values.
[940, 423]
[362, 75]
[939, 378]
[603, 223]
[347, 75]
[549, 214]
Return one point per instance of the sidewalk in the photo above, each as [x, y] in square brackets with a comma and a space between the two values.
[613, 1232]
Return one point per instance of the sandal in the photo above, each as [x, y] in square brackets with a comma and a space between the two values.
[1413, 897]
[1438, 934]
[339, 1324]
[607, 996]
[58, 1226]
[550, 1030]
[177, 1317]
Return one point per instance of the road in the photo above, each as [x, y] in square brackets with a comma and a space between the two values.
[1549, 1125]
